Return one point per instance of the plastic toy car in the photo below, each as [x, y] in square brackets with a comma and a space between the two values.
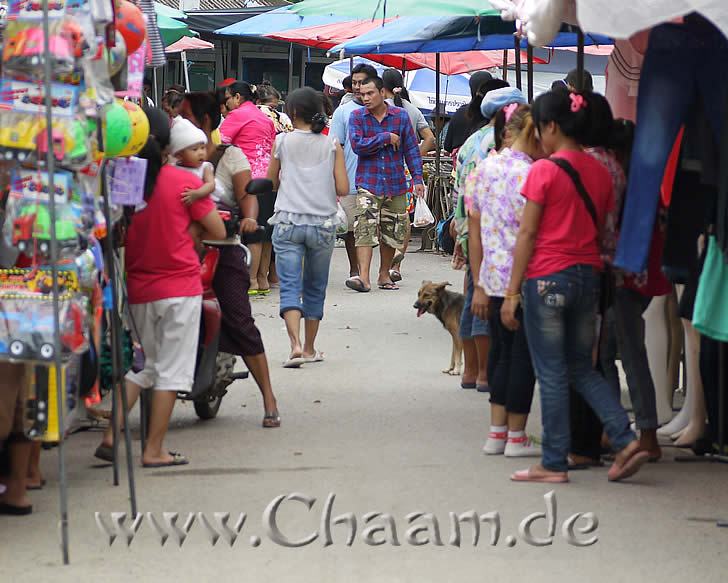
[19, 136]
[33, 224]
[25, 49]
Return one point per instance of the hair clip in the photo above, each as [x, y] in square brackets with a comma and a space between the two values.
[397, 90]
[509, 110]
[577, 102]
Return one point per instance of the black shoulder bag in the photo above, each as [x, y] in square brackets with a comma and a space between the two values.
[607, 285]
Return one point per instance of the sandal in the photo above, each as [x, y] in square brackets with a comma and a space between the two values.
[388, 286]
[105, 453]
[12, 510]
[294, 362]
[177, 460]
[36, 486]
[272, 420]
[629, 468]
[397, 260]
[395, 275]
[550, 478]
[317, 357]
[357, 284]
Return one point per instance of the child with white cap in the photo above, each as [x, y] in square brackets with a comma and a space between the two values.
[188, 144]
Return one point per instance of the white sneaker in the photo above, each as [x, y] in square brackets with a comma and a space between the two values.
[496, 443]
[522, 447]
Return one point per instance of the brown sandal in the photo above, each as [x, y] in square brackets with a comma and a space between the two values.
[271, 420]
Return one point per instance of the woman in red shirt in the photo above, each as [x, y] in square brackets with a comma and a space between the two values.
[556, 265]
[164, 289]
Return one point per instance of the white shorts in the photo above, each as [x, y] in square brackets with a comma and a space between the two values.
[348, 203]
[168, 332]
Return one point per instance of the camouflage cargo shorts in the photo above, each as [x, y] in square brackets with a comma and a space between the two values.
[378, 218]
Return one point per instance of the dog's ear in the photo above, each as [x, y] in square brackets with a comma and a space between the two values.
[443, 285]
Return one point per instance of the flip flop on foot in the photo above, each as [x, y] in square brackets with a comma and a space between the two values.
[317, 357]
[12, 510]
[177, 460]
[357, 284]
[388, 286]
[104, 453]
[536, 474]
[395, 275]
[294, 361]
[397, 259]
[630, 467]
[272, 420]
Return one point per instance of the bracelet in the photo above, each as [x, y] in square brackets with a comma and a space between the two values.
[513, 296]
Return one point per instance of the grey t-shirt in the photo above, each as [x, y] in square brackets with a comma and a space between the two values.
[417, 118]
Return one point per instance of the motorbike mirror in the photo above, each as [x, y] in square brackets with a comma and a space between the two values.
[259, 186]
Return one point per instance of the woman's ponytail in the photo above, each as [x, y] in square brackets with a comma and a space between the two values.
[318, 122]
[153, 150]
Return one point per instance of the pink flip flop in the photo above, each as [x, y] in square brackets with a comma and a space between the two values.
[630, 467]
[526, 476]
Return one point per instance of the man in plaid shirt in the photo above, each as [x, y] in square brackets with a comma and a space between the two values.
[383, 138]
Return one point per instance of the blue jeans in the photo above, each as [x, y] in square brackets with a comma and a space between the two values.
[560, 319]
[697, 50]
[303, 257]
[470, 324]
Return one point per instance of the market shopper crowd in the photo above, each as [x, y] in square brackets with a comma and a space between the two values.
[538, 190]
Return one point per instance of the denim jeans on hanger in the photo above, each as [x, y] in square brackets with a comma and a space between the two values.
[684, 62]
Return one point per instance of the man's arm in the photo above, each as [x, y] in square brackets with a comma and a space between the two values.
[361, 144]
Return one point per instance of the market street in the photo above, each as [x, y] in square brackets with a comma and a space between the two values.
[381, 427]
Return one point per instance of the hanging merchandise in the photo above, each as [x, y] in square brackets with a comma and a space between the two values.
[117, 129]
[139, 128]
[130, 23]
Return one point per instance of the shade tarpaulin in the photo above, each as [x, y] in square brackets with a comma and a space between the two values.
[391, 8]
[275, 21]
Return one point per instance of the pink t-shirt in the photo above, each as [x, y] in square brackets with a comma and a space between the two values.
[253, 132]
[566, 235]
[161, 261]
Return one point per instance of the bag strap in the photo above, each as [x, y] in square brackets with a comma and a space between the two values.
[579, 185]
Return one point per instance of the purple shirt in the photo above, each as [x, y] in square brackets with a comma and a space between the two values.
[381, 167]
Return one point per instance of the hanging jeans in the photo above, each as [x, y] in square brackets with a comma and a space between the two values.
[680, 66]
[560, 319]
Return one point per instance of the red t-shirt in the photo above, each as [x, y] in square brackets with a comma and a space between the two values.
[161, 261]
[566, 235]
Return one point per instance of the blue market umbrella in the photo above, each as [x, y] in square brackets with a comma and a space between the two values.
[425, 34]
[276, 21]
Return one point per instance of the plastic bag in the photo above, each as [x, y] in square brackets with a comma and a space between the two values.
[423, 214]
[342, 221]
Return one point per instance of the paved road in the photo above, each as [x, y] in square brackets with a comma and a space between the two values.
[383, 429]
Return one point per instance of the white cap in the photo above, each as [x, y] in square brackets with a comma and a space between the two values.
[185, 134]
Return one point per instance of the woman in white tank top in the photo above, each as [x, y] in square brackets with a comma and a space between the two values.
[309, 172]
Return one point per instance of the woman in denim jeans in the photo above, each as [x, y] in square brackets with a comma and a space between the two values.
[309, 172]
[556, 264]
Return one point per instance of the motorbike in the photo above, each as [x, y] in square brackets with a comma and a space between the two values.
[214, 371]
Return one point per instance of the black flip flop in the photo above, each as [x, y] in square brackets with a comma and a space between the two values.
[177, 460]
[105, 453]
[357, 285]
[467, 385]
[12, 510]
[38, 487]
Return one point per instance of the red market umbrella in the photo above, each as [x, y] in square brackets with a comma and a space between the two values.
[187, 43]
[328, 36]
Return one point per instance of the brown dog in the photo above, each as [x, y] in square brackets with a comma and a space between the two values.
[447, 307]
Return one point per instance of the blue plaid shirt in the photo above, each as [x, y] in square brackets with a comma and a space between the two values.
[381, 167]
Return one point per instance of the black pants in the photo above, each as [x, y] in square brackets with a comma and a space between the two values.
[710, 356]
[512, 379]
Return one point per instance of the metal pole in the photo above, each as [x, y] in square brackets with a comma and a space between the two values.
[117, 357]
[580, 61]
[437, 114]
[530, 72]
[156, 87]
[505, 65]
[187, 74]
[517, 48]
[57, 363]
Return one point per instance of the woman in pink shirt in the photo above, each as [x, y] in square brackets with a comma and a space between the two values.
[164, 289]
[254, 133]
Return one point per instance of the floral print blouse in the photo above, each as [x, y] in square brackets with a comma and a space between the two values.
[494, 190]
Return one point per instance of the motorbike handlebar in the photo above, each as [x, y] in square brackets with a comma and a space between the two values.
[259, 186]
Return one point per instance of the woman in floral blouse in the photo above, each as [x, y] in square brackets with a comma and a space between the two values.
[493, 192]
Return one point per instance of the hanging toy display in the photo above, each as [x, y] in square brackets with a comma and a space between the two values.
[130, 23]
[139, 128]
[116, 56]
[117, 129]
